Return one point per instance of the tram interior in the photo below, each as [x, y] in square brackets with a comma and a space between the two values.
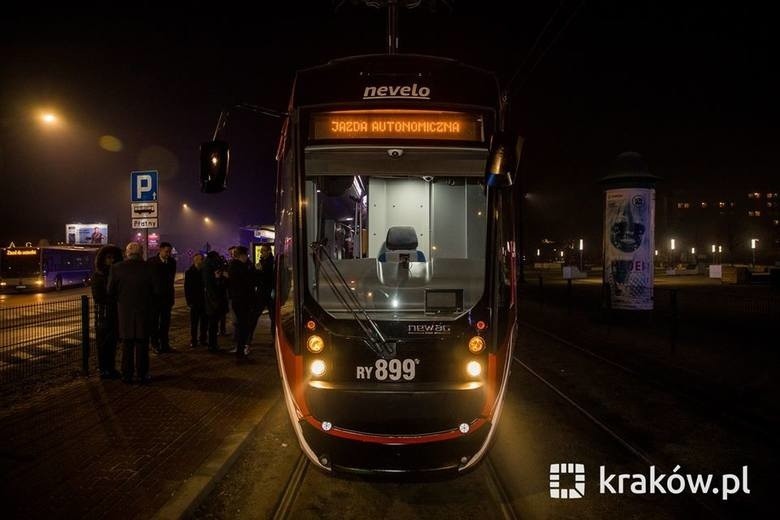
[411, 244]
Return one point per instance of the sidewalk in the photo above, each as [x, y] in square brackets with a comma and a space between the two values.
[92, 448]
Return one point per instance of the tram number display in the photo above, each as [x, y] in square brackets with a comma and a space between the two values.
[388, 370]
[397, 124]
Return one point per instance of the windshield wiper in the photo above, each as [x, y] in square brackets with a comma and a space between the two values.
[373, 339]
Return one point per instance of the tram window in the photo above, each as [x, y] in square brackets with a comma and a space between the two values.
[438, 228]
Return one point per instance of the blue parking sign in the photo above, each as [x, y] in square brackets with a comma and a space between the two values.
[143, 186]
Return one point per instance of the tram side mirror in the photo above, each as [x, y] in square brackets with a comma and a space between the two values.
[214, 162]
[503, 159]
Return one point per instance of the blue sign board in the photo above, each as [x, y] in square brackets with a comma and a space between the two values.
[143, 186]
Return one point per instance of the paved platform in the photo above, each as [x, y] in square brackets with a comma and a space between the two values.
[92, 448]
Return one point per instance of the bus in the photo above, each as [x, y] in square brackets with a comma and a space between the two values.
[38, 268]
[395, 261]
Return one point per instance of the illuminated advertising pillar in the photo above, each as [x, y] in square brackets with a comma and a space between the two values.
[629, 234]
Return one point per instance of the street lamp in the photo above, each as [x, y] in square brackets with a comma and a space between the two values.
[753, 242]
[581, 248]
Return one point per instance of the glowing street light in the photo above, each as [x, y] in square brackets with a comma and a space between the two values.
[671, 244]
[753, 242]
[693, 250]
[581, 248]
[206, 220]
[48, 118]
[185, 206]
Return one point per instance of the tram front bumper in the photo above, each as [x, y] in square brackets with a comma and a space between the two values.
[391, 428]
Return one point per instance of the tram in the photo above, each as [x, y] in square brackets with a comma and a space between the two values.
[395, 261]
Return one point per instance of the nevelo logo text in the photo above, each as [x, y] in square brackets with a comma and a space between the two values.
[412, 91]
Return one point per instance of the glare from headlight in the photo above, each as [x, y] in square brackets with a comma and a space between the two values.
[473, 368]
[315, 344]
[476, 345]
[317, 367]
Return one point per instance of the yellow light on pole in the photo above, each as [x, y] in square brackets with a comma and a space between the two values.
[671, 244]
[185, 206]
[693, 250]
[206, 220]
[753, 243]
[713, 248]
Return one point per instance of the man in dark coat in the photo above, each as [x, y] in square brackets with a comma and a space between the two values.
[164, 267]
[243, 298]
[195, 294]
[106, 326]
[133, 284]
[215, 295]
[266, 284]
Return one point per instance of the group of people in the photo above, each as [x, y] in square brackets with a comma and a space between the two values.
[212, 285]
[133, 299]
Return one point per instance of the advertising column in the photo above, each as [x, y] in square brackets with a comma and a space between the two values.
[629, 229]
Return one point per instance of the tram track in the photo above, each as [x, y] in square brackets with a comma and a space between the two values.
[285, 505]
[713, 407]
[650, 460]
[292, 489]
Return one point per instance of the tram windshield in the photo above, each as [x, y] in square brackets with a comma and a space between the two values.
[396, 232]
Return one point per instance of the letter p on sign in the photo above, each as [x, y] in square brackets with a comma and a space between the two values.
[143, 186]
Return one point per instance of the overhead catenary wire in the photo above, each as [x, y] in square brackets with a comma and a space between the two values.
[511, 88]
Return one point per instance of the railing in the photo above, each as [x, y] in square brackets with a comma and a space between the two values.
[708, 313]
[44, 337]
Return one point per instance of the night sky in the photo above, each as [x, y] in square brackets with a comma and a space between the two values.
[688, 87]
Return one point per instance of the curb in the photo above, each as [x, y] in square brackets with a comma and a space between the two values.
[192, 491]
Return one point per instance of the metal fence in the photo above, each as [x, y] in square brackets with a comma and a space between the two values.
[37, 339]
[706, 312]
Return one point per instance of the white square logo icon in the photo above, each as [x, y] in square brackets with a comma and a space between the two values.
[567, 468]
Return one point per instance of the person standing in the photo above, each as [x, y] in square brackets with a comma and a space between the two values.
[165, 271]
[195, 294]
[215, 296]
[242, 298]
[106, 324]
[132, 283]
[265, 269]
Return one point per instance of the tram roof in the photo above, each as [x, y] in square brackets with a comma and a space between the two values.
[347, 80]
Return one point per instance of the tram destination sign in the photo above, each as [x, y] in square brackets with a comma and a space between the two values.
[397, 124]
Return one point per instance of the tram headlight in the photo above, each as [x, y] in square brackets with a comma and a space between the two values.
[315, 344]
[476, 345]
[317, 367]
[474, 368]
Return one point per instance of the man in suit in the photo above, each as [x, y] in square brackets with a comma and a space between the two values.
[242, 297]
[132, 284]
[195, 294]
[164, 267]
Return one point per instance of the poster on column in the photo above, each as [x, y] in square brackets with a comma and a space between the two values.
[629, 226]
